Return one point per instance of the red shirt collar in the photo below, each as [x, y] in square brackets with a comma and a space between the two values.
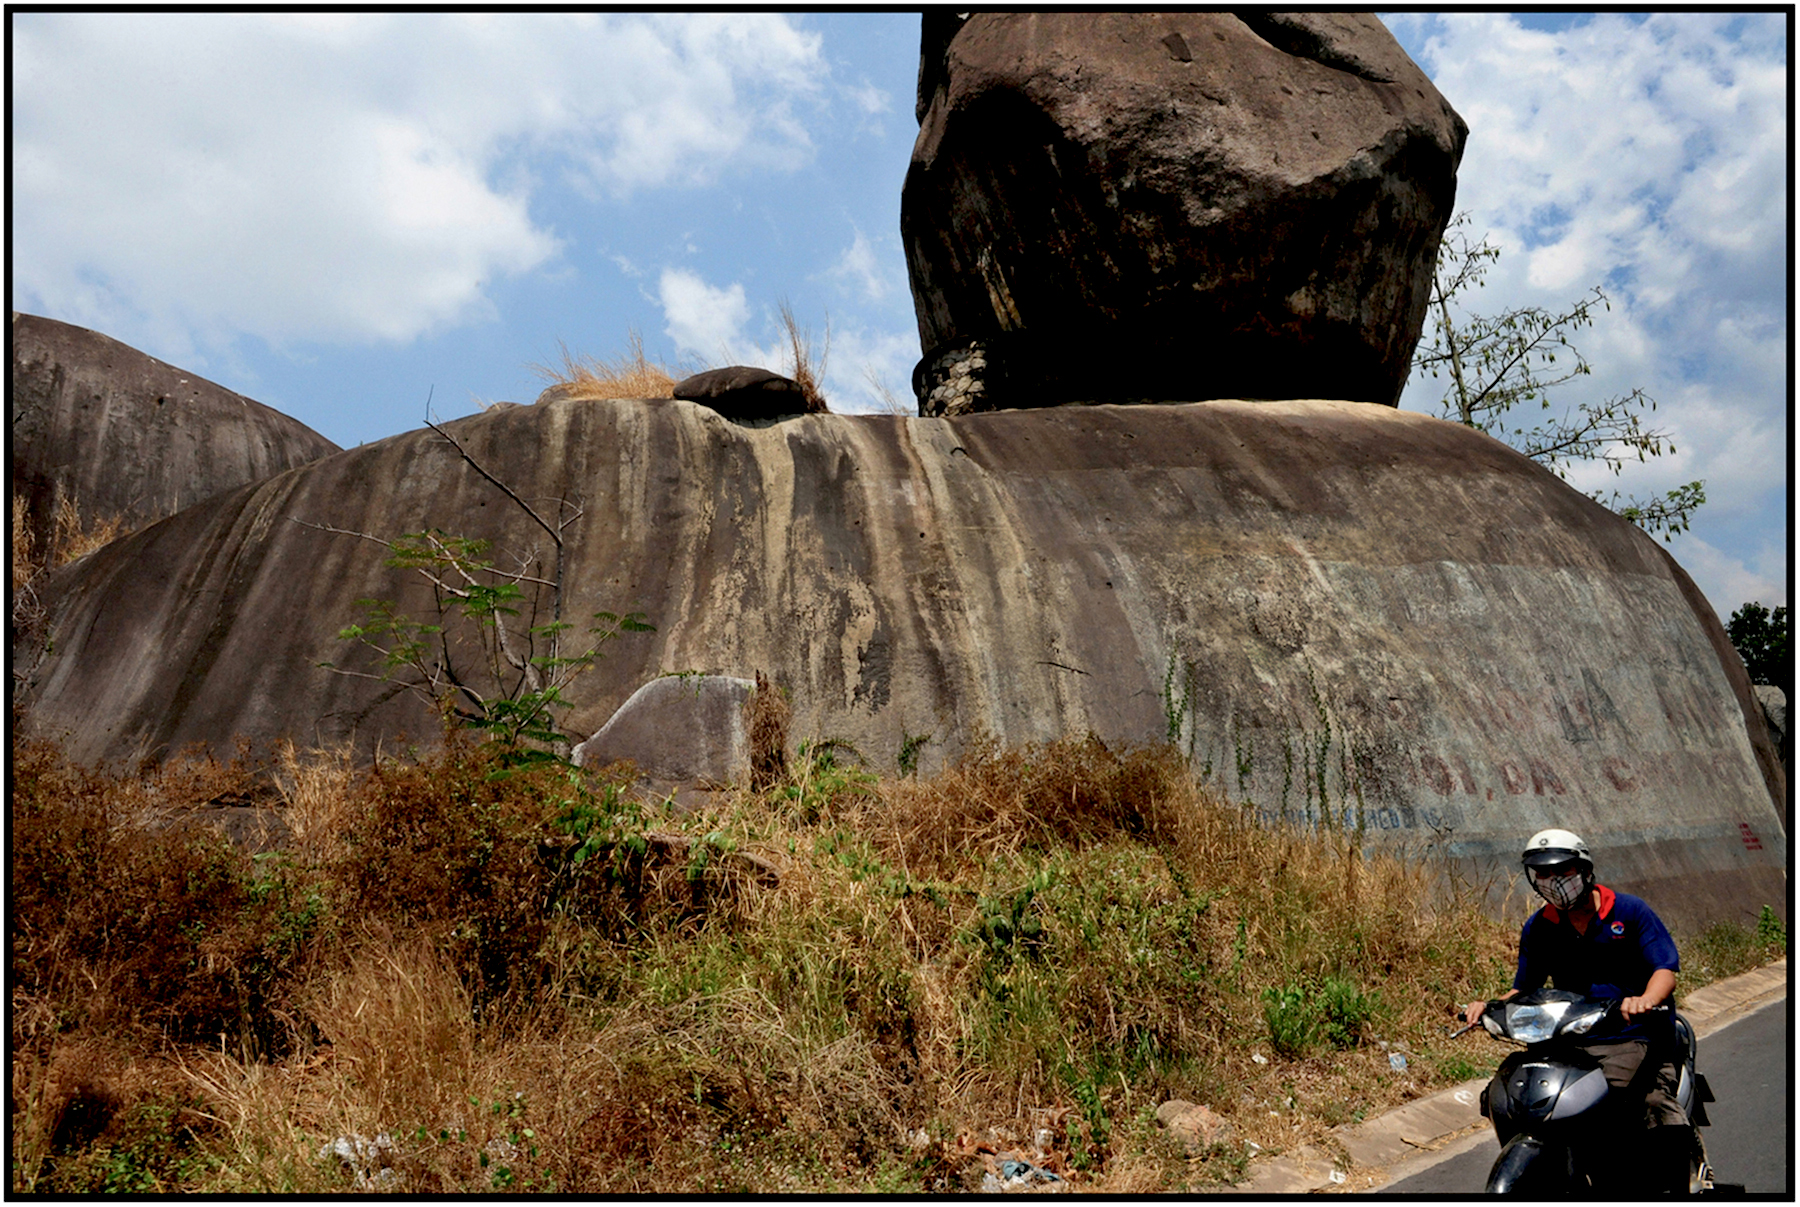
[1607, 897]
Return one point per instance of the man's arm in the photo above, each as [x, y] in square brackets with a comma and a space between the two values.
[1662, 984]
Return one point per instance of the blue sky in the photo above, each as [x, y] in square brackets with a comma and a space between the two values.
[341, 215]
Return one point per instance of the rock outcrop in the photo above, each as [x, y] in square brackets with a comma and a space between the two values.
[680, 728]
[747, 392]
[121, 434]
[1166, 206]
[1346, 614]
[1775, 711]
[1197, 1127]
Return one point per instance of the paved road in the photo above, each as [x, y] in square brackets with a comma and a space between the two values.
[1747, 1066]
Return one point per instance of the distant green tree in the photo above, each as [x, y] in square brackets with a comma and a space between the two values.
[1761, 638]
[1495, 363]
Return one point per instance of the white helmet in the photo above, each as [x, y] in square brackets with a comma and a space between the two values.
[1558, 866]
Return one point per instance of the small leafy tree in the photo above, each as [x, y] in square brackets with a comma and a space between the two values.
[1761, 638]
[526, 673]
[514, 687]
[1495, 364]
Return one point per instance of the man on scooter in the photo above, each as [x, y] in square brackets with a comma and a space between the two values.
[1593, 941]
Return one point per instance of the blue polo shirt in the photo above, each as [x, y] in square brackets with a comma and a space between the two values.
[1624, 944]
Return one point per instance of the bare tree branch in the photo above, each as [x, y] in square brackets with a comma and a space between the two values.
[555, 534]
[1496, 362]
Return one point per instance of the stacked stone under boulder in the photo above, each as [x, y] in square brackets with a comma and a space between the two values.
[956, 380]
[1134, 207]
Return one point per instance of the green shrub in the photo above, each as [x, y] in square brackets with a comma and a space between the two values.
[1292, 1019]
[1770, 932]
[1344, 1011]
[1300, 1016]
[1728, 948]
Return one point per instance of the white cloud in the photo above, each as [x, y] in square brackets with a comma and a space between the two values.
[356, 177]
[870, 370]
[869, 98]
[1729, 582]
[703, 321]
[858, 271]
[1646, 154]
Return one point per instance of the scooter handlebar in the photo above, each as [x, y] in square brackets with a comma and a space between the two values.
[1612, 1007]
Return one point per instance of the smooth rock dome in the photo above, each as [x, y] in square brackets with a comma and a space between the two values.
[1344, 613]
[120, 433]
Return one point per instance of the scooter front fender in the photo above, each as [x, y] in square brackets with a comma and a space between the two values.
[1531, 1167]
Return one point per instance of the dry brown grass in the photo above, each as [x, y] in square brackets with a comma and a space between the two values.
[993, 802]
[75, 537]
[69, 537]
[632, 374]
[766, 717]
[1059, 937]
[24, 548]
[72, 1094]
[806, 368]
[400, 1028]
[891, 403]
[315, 787]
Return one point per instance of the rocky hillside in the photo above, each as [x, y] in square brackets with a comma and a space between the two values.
[1340, 611]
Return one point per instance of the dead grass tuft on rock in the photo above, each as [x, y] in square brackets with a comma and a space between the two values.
[632, 374]
[69, 537]
[807, 369]
[75, 537]
[766, 717]
[23, 547]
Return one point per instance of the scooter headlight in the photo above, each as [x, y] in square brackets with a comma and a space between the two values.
[1580, 1022]
[1534, 1023]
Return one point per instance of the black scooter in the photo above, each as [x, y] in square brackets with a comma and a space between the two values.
[1547, 1101]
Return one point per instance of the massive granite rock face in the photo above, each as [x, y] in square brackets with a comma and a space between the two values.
[1344, 613]
[1121, 207]
[122, 434]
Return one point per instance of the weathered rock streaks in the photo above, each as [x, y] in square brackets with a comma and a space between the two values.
[1338, 609]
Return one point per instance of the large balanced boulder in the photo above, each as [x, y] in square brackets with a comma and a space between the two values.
[1345, 614]
[119, 435]
[1120, 207]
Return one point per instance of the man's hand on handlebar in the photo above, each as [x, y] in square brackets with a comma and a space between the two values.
[1474, 1010]
[1662, 984]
